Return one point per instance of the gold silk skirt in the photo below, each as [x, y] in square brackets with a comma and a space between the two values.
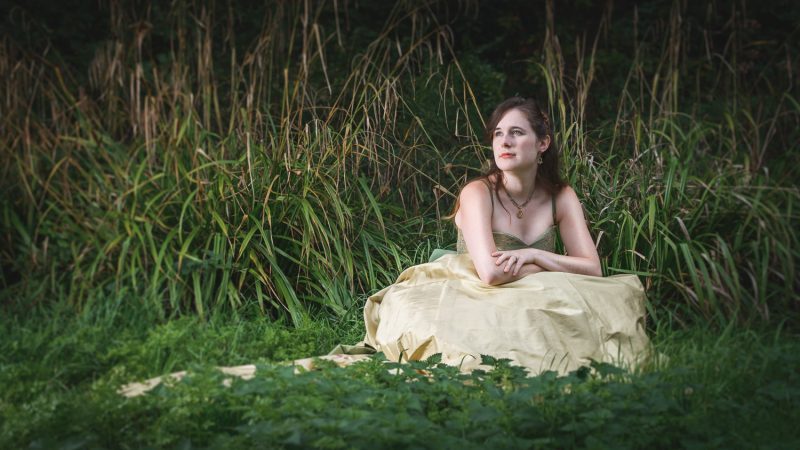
[547, 321]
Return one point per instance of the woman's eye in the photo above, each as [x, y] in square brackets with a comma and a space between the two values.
[518, 132]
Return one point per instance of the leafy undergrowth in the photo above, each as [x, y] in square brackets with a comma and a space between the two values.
[736, 388]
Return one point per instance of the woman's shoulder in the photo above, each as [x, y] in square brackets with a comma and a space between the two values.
[566, 201]
[564, 193]
[476, 189]
[476, 196]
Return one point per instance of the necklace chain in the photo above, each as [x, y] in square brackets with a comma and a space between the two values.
[520, 211]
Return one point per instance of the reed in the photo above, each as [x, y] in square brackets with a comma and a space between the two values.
[300, 167]
[679, 197]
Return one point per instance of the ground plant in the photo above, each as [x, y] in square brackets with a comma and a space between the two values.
[190, 184]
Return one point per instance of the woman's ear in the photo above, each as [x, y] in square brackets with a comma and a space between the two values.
[544, 144]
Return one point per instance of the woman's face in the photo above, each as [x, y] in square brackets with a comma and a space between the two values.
[515, 145]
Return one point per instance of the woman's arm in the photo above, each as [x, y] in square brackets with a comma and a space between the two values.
[582, 259]
[474, 218]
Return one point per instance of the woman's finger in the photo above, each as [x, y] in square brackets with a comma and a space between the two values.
[511, 261]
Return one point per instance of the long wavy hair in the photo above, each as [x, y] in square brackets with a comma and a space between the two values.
[548, 174]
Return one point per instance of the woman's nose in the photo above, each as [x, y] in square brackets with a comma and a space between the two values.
[507, 141]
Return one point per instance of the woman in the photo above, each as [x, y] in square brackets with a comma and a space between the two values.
[505, 292]
[498, 295]
[521, 136]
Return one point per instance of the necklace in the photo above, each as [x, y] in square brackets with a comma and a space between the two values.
[520, 208]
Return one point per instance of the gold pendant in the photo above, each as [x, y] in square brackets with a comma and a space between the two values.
[519, 214]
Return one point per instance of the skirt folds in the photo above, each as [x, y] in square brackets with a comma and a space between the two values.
[547, 321]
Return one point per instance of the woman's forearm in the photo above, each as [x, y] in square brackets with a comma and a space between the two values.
[497, 276]
[526, 269]
[562, 263]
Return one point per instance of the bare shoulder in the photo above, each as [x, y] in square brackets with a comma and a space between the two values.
[567, 194]
[568, 203]
[474, 191]
[473, 197]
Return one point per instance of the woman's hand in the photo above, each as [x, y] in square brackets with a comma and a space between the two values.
[514, 259]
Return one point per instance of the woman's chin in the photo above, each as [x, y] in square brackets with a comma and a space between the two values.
[512, 165]
[506, 163]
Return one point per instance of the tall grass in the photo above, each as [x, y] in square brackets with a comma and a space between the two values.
[193, 167]
[275, 187]
[682, 197]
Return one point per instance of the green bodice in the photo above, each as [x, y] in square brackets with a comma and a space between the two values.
[506, 241]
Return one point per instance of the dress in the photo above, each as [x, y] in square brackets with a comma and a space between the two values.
[546, 321]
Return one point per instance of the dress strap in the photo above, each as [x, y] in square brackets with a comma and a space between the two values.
[558, 244]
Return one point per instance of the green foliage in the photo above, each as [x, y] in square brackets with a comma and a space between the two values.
[212, 160]
[191, 196]
[734, 389]
[189, 185]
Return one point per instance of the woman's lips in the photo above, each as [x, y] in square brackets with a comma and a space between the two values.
[507, 155]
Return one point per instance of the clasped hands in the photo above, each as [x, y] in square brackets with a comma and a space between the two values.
[515, 259]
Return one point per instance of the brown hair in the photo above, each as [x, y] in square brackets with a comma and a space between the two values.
[548, 173]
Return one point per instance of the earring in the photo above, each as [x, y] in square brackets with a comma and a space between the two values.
[540, 159]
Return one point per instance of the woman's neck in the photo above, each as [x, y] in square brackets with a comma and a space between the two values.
[519, 185]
